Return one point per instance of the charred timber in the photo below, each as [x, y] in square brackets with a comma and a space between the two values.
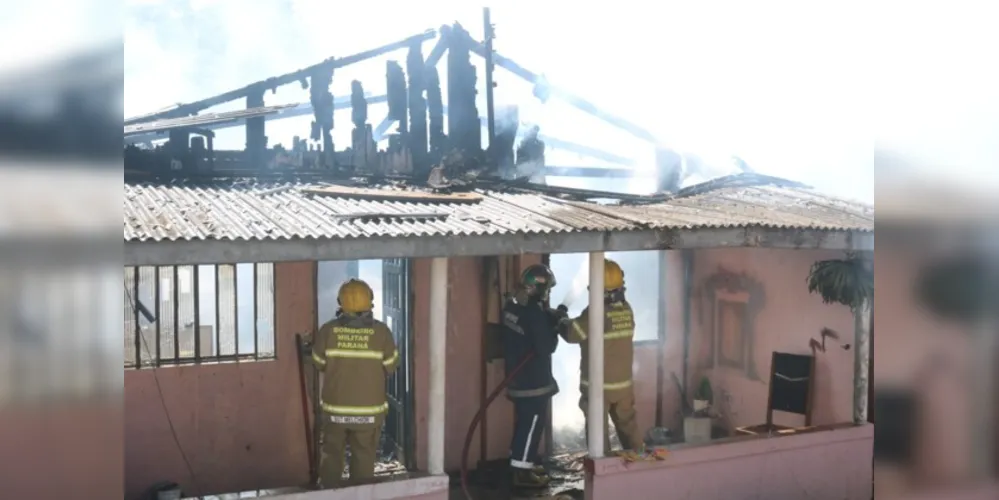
[464, 130]
[415, 66]
[361, 134]
[396, 90]
[435, 104]
[295, 76]
[256, 135]
[490, 83]
[358, 104]
[322, 106]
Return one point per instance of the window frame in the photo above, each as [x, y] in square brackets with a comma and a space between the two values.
[147, 340]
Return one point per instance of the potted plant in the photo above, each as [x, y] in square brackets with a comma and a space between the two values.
[843, 281]
[703, 397]
[696, 420]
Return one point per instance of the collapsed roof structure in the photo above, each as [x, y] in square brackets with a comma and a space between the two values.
[186, 202]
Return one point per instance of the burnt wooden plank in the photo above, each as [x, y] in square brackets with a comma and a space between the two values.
[384, 195]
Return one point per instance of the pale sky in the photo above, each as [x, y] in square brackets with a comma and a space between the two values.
[783, 84]
[800, 89]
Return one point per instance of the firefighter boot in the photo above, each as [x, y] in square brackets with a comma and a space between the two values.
[539, 470]
[527, 478]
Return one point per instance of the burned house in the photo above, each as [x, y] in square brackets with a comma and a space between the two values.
[225, 252]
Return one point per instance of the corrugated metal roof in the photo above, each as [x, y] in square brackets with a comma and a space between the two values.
[266, 211]
[767, 206]
[259, 211]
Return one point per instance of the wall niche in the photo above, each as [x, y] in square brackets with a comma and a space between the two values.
[732, 302]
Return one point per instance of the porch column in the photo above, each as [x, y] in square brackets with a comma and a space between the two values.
[985, 345]
[862, 355]
[438, 354]
[595, 408]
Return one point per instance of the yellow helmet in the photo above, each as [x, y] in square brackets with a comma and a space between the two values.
[355, 297]
[613, 275]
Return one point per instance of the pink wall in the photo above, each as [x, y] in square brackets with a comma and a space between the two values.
[464, 361]
[827, 464]
[65, 449]
[241, 428]
[916, 350]
[670, 351]
[789, 318]
[239, 424]
[464, 335]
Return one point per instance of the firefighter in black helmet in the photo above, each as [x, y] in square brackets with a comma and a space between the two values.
[530, 328]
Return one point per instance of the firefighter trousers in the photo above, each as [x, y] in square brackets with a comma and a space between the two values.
[363, 440]
[620, 405]
[530, 418]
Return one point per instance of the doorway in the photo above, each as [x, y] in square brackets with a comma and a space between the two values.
[642, 274]
[390, 280]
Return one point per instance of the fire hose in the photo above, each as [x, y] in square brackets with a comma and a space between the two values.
[485, 406]
[578, 284]
[478, 418]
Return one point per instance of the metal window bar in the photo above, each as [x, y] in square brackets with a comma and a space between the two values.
[197, 314]
[146, 302]
[266, 311]
[246, 311]
[226, 310]
[176, 314]
[165, 314]
[129, 317]
[135, 311]
[256, 311]
[218, 312]
[156, 313]
[272, 303]
[186, 307]
[168, 303]
[235, 310]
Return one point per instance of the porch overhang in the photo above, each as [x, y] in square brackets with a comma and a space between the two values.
[186, 252]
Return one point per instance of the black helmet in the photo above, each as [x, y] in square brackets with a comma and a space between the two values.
[537, 280]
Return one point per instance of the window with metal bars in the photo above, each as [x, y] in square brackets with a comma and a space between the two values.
[195, 314]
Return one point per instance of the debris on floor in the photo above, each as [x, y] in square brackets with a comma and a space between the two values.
[490, 481]
[648, 455]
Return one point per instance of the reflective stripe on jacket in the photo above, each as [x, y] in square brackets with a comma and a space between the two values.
[619, 353]
[356, 354]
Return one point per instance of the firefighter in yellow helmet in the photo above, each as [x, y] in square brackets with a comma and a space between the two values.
[355, 353]
[619, 332]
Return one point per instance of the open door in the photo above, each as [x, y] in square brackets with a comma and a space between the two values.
[396, 314]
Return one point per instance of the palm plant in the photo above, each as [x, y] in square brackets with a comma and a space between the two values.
[848, 281]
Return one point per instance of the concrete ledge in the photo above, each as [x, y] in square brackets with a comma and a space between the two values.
[834, 462]
[422, 488]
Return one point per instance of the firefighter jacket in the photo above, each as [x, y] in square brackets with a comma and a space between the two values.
[355, 353]
[619, 332]
[529, 328]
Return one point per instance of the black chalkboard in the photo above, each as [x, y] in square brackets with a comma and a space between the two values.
[896, 413]
[791, 382]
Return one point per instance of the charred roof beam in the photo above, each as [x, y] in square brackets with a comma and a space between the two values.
[430, 65]
[281, 80]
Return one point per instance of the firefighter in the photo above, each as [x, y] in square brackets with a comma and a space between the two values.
[530, 328]
[619, 332]
[355, 354]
